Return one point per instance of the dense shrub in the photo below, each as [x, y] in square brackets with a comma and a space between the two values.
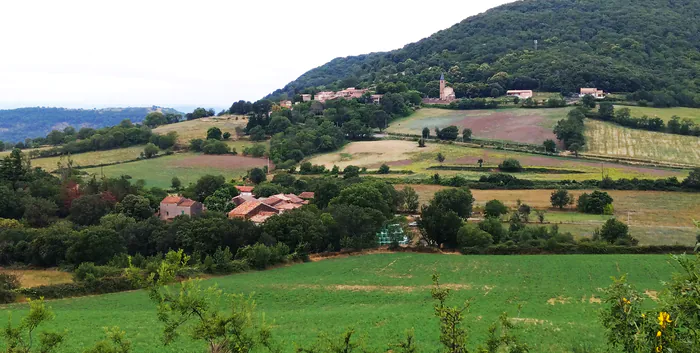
[260, 256]
[67, 290]
[8, 283]
[510, 165]
[87, 271]
[470, 235]
[594, 203]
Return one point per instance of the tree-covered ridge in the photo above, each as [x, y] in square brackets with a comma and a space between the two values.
[615, 45]
[19, 124]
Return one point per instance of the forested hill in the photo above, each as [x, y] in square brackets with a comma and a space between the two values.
[19, 124]
[616, 45]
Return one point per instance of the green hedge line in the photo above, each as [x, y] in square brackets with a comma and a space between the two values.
[77, 289]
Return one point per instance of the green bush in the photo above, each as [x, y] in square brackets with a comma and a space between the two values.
[67, 290]
[470, 235]
[87, 271]
[510, 165]
[8, 283]
[384, 169]
[260, 256]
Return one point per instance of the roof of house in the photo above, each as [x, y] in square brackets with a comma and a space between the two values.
[262, 217]
[240, 199]
[294, 198]
[593, 90]
[519, 91]
[307, 195]
[288, 206]
[178, 200]
[245, 188]
[248, 207]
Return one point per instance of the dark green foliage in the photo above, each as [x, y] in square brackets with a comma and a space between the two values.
[570, 130]
[257, 150]
[196, 145]
[510, 165]
[88, 209]
[214, 133]
[215, 147]
[200, 113]
[137, 207]
[355, 226]
[67, 290]
[449, 133]
[616, 232]
[494, 227]
[383, 169]
[166, 141]
[257, 133]
[88, 271]
[466, 134]
[205, 186]
[459, 200]
[588, 101]
[305, 227]
[550, 146]
[8, 283]
[561, 198]
[574, 51]
[260, 256]
[257, 175]
[150, 150]
[593, 203]
[693, 180]
[495, 208]
[470, 235]
[227, 135]
[96, 244]
[267, 189]
[426, 133]
[351, 171]
[39, 212]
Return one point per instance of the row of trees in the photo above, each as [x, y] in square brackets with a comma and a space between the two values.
[676, 125]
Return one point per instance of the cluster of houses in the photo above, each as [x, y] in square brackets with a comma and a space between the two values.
[248, 207]
[348, 93]
[525, 94]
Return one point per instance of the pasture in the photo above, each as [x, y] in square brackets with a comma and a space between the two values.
[406, 155]
[187, 166]
[192, 129]
[383, 295]
[664, 113]
[532, 126]
[91, 158]
[655, 217]
[35, 278]
[609, 139]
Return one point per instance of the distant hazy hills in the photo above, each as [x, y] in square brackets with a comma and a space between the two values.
[18, 124]
[615, 45]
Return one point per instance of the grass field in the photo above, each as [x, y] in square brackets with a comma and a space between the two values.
[192, 129]
[655, 217]
[614, 140]
[664, 113]
[405, 155]
[383, 295]
[519, 125]
[91, 158]
[187, 166]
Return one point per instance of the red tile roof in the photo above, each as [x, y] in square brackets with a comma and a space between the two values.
[288, 206]
[172, 199]
[307, 195]
[187, 203]
[262, 217]
[245, 188]
[294, 198]
[249, 208]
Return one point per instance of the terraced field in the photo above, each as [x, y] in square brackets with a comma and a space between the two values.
[613, 140]
[383, 295]
[405, 155]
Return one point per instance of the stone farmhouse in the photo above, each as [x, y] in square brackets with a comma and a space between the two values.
[173, 206]
[522, 94]
[259, 210]
[596, 93]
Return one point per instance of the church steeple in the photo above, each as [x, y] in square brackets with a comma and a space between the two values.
[442, 87]
[442, 76]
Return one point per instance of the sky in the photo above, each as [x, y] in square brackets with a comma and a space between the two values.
[87, 53]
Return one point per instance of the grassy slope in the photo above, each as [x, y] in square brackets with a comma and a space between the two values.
[614, 140]
[655, 217]
[192, 129]
[160, 171]
[665, 113]
[410, 157]
[383, 295]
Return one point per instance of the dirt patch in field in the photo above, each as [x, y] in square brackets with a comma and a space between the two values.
[652, 294]
[373, 154]
[222, 162]
[513, 127]
[529, 320]
[558, 300]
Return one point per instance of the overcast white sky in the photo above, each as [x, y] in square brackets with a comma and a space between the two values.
[88, 53]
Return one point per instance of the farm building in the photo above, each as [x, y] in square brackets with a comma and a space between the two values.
[259, 210]
[596, 93]
[173, 206]
[245, 190]
[522, 94]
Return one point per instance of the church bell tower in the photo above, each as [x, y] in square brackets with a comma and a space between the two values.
[442, 87]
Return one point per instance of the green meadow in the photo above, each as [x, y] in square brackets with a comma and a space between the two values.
[383, 295]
